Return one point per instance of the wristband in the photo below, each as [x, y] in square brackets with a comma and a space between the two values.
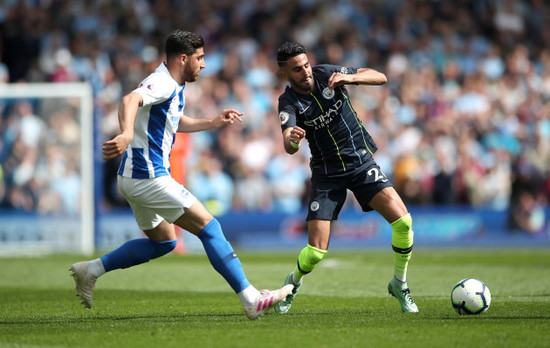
[294, 145]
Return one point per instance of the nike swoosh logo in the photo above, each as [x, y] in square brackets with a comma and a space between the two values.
[304, 110]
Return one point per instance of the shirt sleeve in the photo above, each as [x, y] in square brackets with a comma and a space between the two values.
[329, 69]
[287, 113]
[154, 90]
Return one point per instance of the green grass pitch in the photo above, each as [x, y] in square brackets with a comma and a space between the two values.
[180, 301]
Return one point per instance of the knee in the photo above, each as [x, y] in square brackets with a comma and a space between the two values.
[403, 235]
[211, 229]
[403, 224]
[164, 247]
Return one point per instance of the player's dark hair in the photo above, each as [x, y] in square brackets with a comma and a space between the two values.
[287, 51]
[182, 42]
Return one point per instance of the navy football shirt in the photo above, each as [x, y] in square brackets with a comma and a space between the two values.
[337, 138]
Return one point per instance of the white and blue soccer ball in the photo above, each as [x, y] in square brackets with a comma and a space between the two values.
[470, 296]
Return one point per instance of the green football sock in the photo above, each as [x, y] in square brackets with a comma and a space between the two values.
[402, 243]
[307, 260]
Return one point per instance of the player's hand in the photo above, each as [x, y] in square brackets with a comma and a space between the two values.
[115, 146]
[338, 79]
[227, 116]
[297, 134]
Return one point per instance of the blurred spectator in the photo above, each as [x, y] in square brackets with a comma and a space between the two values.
[527, 214]
[213, 186]
[252, 191]
[288, 178]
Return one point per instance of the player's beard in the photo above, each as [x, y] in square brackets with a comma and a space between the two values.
[302, 85]
[190, 75]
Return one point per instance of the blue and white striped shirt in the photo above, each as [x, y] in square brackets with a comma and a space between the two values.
[155, 127]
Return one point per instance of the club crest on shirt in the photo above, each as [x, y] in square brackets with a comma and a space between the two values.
[328, 93]
[284, 116]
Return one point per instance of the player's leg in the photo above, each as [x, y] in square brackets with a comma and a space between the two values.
[326, 201]
[145, 196]
[201, 223]
[327, 198]
[308, 259]
[149, 199]
[161, 241]
[223, 258]
[388, 203]
[315, 251]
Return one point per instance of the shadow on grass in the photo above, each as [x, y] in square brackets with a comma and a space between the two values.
[153, 318]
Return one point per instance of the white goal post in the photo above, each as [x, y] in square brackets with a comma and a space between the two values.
[47, 229]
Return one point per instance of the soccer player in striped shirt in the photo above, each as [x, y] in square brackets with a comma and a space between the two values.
[149, 118]
[316, 106]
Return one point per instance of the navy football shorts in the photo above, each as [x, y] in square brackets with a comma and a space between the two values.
[328, 193]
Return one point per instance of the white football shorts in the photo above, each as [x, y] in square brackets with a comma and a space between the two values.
[156, 199]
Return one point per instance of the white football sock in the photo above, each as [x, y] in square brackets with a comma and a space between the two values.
[95, 268]
[248, 295]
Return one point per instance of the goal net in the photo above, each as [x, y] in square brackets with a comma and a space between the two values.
[46, 168]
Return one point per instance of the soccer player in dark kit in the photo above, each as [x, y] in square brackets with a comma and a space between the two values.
[316, 106]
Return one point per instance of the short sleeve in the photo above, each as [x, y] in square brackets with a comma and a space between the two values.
[329, 69]
[154, 89]
[287, 113]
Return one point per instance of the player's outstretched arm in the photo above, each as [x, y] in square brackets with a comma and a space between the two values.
[126, 118]
[364, 76]
[190, 125]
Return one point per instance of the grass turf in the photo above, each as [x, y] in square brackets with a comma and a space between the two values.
[179, 301]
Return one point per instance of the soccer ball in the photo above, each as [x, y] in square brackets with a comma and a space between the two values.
[470, 296]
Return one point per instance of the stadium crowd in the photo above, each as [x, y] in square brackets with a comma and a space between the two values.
[463, 119]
